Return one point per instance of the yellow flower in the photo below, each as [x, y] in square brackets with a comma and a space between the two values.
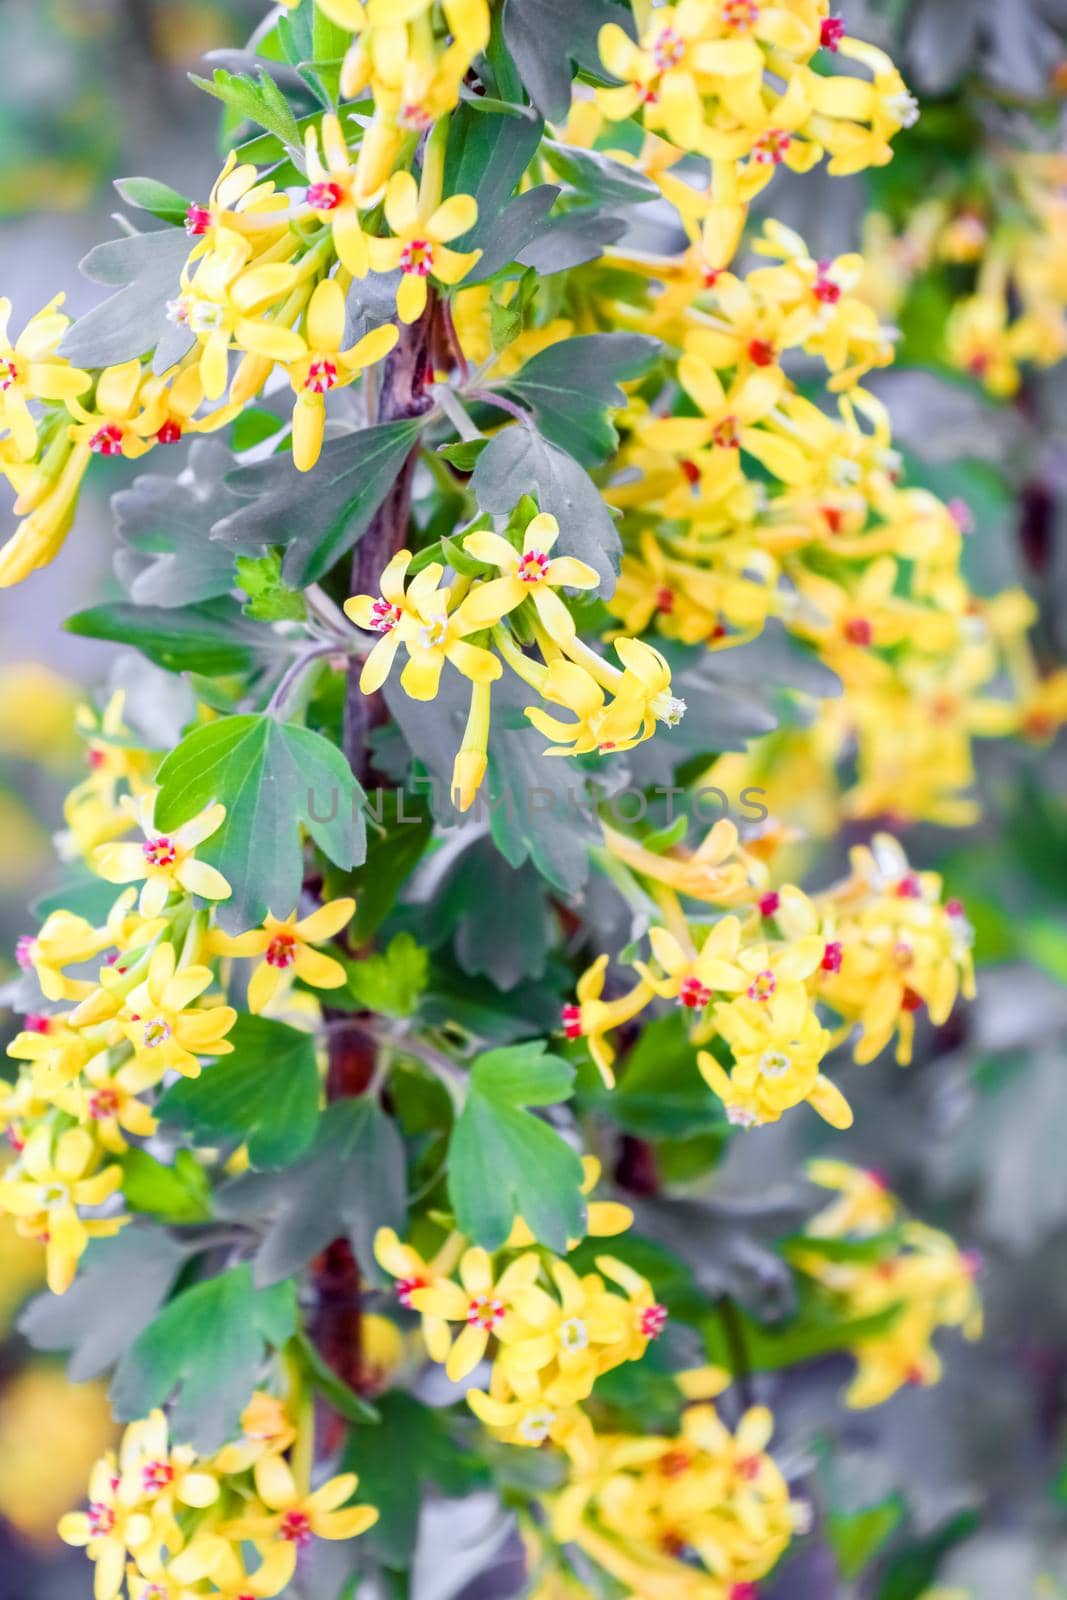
[483, 1304]
[533, 574]
[419, 243]
[166, 863]
[405, 1264]
[777, 1044]
[604, 1218]
[593, 1018]
[333, 190]
[31, 370]
[286, 946]
[864, 1206]
[294, 1519]
[323, 366]
[107, 1530]
[52, 1179]
[166, 1035]
[118, 420]
[219, 304]
[107, 1101]
[155, 1474]
[692, 977]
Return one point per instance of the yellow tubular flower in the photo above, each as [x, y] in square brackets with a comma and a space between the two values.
[52, 1178]
[593, 1018]
[220, 305]
[286, 945]
[332, 193]
[419, 243]
[292, 1520]
[411, 1273]
[118, 420]
[168, 1036]
[166, 863]
[532, 574]
[324, 366]
[31, 370]
[483, 1304]
[108, 1530]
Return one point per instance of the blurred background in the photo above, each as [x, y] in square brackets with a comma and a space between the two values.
[955, 1491]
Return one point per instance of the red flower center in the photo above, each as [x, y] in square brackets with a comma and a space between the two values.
[761, 352]
[197, 220]
[831, 956]
[107, 441]
[102, 1104]
[8, 373]
[674, 1463]
[762, 986]
[740, 14]
[322, 376]
[690, 472]
[571, 1018]
[858, 631]
[406, 1287]
[485, 1312]
[726, 434]
[296, 1527]
[169, 433]
[747, 1467]
[384, 616]
[694, 994]
[769, 903]
[101, 1519]
[281, 952]
[413, 114]
[668, 48]
[532, 566]
[156, 1032]
[417, 257]
[160, 852]
[156, 1475]
[665, 601]
[831, 33]
[910, 1001]
[909, 888]
[770, 148]
[653, 1321]
[37, 1022]
[825, 290]
[325, 196]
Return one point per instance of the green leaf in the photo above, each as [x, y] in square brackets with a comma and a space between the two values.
[165, 524]
[351, 1182]
[273, 778]
[413, 1445]
[394, 981]
[505, 1162]
[148, 194]
[486, 157]
[597, 177]
[252, 426]
[546, 36]
[129, 323]
[213, 638]
[253, 100]
[121, 1284]
[857, 1536]
[269, 598]
[265, 1095]
[519, 461]
[391, 857]
[508, 318]
[179, 1193]
[318, 520]
[463, 454]
[573, 385]
[814, 1330]
[204, 1351]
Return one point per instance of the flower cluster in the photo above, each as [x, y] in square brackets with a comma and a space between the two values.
[165, 1520]
[736, 83]
[701, 1516]
[130, 1003]
[266, 278]
[507, 598]
[1006, 232]
[548, 1330]
[774, 983]
[899, 1279]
